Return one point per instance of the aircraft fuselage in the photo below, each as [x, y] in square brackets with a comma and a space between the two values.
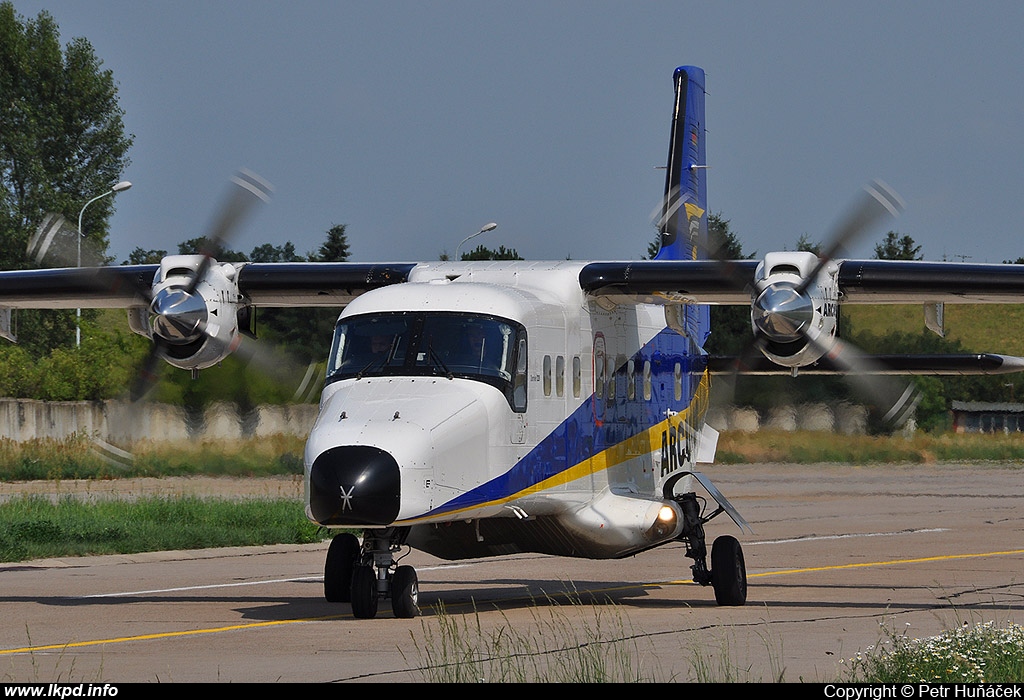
[560, 442]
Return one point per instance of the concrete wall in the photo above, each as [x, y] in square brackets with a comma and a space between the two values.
[842, 418]
[122, 423]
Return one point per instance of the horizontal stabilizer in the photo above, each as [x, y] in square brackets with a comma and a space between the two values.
[962, 364]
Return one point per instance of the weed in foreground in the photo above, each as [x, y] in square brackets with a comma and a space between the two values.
[983, 653]
[577, 643]
[718, 664]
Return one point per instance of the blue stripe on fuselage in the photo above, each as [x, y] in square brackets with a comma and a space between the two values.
[581, 436]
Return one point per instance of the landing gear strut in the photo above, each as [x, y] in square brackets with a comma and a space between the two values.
[366, 574]
[728, 573]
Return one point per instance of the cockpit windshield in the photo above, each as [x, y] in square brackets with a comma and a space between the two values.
[469, 346]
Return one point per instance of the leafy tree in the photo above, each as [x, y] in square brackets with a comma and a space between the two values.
[275, 253]
[144, 257]
[730, 324]
[217, 250]
[482, 252]
[896, 247]
[305, 332]
[335, 248]
[62, 142]
[805, 244]
[653, 247]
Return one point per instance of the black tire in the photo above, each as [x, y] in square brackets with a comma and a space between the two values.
[728, 572]
[405, 593]
[341, 560]
[364, 592]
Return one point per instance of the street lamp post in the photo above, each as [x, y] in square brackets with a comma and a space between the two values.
[489, 227]
[119, 187]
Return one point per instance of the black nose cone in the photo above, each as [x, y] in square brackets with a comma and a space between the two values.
[354, 485]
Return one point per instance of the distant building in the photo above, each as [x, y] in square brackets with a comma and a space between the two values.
[982, 417]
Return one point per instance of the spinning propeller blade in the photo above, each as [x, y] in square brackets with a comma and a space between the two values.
[781, 313]
[177, 315]
[250, 189]
[877, 202]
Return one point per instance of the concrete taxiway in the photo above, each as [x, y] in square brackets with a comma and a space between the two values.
[841, 557]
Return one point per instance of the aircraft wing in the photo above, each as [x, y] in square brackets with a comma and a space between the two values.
[315, 284]
[903, 282]
[935, 365]
[794, 298]
[671, 281]
[260, 284]
[71, 288]
[858, 281]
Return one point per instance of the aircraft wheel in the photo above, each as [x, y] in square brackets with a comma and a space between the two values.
[728, 572]
[405, 592]
[364, 592]
[341, 560]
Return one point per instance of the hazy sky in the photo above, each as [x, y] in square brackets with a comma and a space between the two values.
[415, 123]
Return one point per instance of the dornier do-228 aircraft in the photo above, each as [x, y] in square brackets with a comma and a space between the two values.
[474, 409]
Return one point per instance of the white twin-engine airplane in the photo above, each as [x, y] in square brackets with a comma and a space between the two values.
[474, 409]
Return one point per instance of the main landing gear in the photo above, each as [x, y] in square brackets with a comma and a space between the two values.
[728, 574]
[365, 574]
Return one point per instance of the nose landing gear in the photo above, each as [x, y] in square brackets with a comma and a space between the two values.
[364, 575]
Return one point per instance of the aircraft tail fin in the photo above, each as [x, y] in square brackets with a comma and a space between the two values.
[683, 221]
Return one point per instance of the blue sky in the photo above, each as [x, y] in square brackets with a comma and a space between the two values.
[415, 123]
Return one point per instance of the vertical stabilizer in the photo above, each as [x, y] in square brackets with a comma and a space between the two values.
[683, 223]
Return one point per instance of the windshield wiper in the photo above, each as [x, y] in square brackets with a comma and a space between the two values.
[437, 358]
[376, 361]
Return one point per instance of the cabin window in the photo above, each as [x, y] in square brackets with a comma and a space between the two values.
[631, 380]
[577, 376]
[647, 380]
[677, 376]
[547, 375]
[560, 376]
[612, 379]
[416, 343]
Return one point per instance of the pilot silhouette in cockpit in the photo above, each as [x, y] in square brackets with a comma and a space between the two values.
[477, 350]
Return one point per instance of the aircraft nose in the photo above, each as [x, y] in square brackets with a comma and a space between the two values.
[354, 485]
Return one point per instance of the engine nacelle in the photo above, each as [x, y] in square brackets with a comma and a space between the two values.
[794, 318]
[195, 324]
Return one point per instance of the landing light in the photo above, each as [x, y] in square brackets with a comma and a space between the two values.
[664, 525]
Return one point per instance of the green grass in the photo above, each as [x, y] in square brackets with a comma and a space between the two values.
[979, 327]
[767, 446]
[78, 457]
[33, 527]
